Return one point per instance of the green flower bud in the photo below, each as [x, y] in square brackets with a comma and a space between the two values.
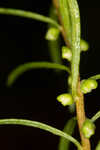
[84, 45]
[52, 34]
[88, 85]
[66, 53]
[65, 99]
[88, 128]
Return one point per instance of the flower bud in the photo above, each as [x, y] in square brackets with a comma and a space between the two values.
[66, 53]
[88, 85]
[65, 99]
[52, 34]
[88, 128]
[84, 45]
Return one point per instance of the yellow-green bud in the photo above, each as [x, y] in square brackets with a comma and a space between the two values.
[88, 85]
[84, 45]
[66, 53]
[65, 99]
[88, 128]
[52, 34]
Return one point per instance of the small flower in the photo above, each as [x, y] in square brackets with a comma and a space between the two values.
[88, 85]
[84, 45]
[66, 53]
[88, 128]
[52, 34]
[65, 99]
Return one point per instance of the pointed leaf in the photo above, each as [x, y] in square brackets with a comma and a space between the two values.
[69, 128]
[96, 116]
[33, 65]
[28, 14]
[41, 126]
[96, 77]
[98, 146]
[65, 16]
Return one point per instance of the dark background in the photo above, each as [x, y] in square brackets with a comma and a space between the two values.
[33, 95]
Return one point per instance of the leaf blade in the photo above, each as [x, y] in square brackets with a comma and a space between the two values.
[95, 77]
[33, 65]
[65, 16]
[41, 126]
[98, 146]
[69, 128]
[96, 116]
[28, 14]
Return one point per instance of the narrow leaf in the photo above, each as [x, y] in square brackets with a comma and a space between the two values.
[96, 77]
[28, 14]
[41, 126]
[69, 128]
[95, 117]
[33, 65]
[65, 16]
[98, 146]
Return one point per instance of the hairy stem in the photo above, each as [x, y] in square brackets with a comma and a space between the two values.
[80, 101]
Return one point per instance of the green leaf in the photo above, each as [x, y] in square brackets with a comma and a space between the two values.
[98, 146]
[69, 128]
[33, 65]
[41, 126]
[28, 14]
[95, 117]
[65, 16]
[96, 77]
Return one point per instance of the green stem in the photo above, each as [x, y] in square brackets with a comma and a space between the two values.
[54, 46]
[41, 126]
[28, 14]
[75, 44]
[71, 20]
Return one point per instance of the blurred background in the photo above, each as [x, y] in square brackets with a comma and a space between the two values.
[33, 95]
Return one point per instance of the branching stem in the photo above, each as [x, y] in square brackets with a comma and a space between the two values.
[80, 101]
